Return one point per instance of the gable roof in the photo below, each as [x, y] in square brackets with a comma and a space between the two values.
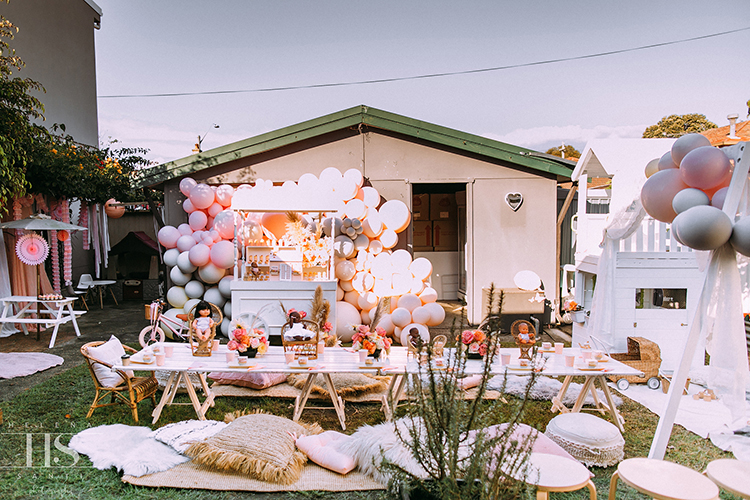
[720, 136]
[353, 117]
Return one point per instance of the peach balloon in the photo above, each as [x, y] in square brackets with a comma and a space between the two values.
[372, 225]
[222, 254]
[666, 162]
[382, 288]
[397, 333]
[717, 200]
[361, 242]
[401, 317]
[214, 209]
[417, 285]
[199, 255]
[401, 260]
[339, 293]
[375, 247]
[424, 333]
[185, 229]
[346, 285]
[428, 295]
[652, 167]
[355, 209]
[659, 190]
[352, 298]
[363, 281]
[224, 194]
[275, 222]
[401, 283]
[355, 176]
[437, 313]
[705, 167]
[409, 301]
[343, 246]
[386, 324]
[371, 197]
[395, 215]
[367, 301]
[197, 220]
[381, 266]
[421, 315]
[421, 268]
[685, 144]
[347, 317]
[345, 270]
[185, 243]
[366, 320]
[186, 184]
[388, 238]
[224, 224]
[188, 207]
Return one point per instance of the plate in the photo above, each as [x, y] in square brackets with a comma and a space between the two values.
[550, 351]
[588, 368]
[376, 364]
[139, 360]
[235, 364]
[295, 364]
[519, 368]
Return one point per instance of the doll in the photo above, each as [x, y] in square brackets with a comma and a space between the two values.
[524, 336]
[203, 322]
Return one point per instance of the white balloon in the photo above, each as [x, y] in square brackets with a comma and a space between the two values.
[228, 309]
[703, 227]
[214, 296]
[225, 326]
[179, 278]
[225, 286]
[183, 262]
[210, 273]
[194, 289]
[437, 313]
[428, 295]
[190, 304]
[176, 296]
[401, 317]
[740, 239]
[355, 176]
[401, 260]
[421, 268]
[170, 257]
[171, 314]
[689, 198]
[371, 197]
[421, 315]
[347, 318]
[343, 247]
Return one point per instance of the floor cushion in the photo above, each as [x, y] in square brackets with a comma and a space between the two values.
[253, 380]
[323, 449]
[259, 445]
[590, 439]
[180, 435]
[347, 384]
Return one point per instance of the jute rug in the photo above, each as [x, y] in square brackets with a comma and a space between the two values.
[313, 478]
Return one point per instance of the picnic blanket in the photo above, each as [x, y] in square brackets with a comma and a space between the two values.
[20, 364]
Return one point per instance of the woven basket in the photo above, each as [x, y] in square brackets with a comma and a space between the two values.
[643, 355]
[307, 348]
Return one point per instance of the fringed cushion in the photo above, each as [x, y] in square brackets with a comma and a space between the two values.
[258, 445]
[590, 439]
[347, 384]
[253, 380]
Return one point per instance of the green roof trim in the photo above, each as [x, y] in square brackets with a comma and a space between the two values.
[352, 117]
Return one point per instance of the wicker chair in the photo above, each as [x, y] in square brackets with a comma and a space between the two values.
[132, 392]
[204, 348]
[438, 344]
[525, 345]
[307, 347]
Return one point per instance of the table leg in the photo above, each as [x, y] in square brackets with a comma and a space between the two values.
[612, 408]
[613, 485]
[58, 318]
[301, 401]
[394, 396]
[101, 300]
[113, 295]
[73, 319]
[338, 403]
[166, 397]
[582, 396]
[193, 396]
[557, 401]
[209, 401]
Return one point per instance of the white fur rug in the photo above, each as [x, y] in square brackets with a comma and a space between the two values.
[128, 448]
[20, 364]
[545, 388]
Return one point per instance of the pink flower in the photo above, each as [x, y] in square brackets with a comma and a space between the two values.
[327, 327]
[467, 337]
[254, 342]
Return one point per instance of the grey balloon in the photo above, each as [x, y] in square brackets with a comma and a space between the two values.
[740, 239]
[689, 198]
[703, 227]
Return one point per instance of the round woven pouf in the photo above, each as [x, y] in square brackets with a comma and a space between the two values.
[663, 480]
[590, 439]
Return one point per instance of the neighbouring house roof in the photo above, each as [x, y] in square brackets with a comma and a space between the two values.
[136, 242]
[355, 117]
[720, 136]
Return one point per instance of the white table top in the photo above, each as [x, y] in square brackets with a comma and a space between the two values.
[24, 298]
[732, 475]
[343, 360]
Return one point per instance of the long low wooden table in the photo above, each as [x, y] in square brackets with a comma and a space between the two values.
[53, 312]
[182, 363]
[546, 363]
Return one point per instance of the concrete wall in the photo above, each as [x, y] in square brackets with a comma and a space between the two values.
[56, 41]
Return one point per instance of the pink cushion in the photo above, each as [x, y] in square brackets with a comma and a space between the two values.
[323, 450]
[253, 380]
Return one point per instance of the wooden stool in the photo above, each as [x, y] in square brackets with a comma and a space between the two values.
[555, 473]
[732, 475]
[663, 480]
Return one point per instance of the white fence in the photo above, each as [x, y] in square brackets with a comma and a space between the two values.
[653, 236]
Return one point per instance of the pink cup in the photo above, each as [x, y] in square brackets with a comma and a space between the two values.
[362, 355]
[289, 357]
[505, 359]
[215, 346]
[570, 360]
[230, 356]
[169, 350]
[586, 354]
[559, 347]
[160, 359]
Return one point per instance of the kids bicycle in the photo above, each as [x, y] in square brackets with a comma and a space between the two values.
[154, 333]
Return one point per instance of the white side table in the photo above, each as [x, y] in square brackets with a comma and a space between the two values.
[730, 474]
[663, 480]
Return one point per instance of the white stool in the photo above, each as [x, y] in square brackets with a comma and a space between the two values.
[732, 475]
[555, 473]
[590, 439]
[663, 480]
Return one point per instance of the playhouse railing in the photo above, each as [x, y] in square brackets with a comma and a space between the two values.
[653, 236]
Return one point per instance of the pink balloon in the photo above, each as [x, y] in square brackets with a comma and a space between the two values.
[224, 195]
[666, 162]
[185, 229]
[202, 196]
[686, 144]
[168, 236]
[207, 240]
[215, 235]
[185, 243]
[186, 184]
[224, 224]
[210, 223]
[719, 197]
[222, 254]
[705, 167]
[214, 209]
[658, 191]
[198, 236]
[199, 255]
[187, 206]
[197, 220]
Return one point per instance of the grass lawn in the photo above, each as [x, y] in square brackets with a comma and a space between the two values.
[58, 407]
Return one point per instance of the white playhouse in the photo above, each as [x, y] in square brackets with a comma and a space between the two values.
[656, 281]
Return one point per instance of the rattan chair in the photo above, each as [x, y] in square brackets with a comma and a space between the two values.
[204, 348]
[525, 345]
[131, 392]
[438, 344]
[307, 347]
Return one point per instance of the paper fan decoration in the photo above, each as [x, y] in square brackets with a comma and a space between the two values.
[32, 249]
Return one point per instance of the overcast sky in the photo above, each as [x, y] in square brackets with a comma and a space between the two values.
[150, 47]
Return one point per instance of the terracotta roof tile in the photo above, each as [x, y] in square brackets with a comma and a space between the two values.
[720, 136]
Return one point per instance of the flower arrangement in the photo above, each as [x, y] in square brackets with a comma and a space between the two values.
[363, 338]
[475, 340]
[302, 314]
[241, 339]
[571, 306]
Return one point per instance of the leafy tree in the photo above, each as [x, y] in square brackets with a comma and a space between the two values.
[674, 126]
[570, 151]
[17, 110]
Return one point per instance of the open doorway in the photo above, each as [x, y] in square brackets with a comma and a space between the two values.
[439, 234]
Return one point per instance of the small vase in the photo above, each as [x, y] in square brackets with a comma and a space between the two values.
[376, 354]
[250, 353]
[474, 355]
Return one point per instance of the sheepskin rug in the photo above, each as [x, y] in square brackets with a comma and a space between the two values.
[544, 389]
[128, 448]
